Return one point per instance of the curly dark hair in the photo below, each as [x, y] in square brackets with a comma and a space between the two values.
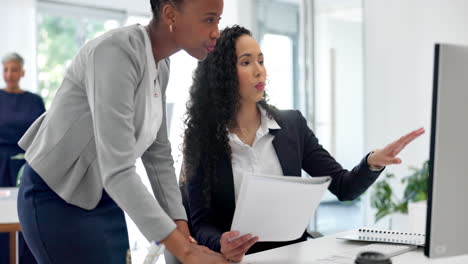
[156, 6]
[212, 109]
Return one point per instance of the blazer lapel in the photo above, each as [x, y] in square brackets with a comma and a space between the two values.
[286, 152]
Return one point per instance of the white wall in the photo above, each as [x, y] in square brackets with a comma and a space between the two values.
[399, 46]
[18, 34]
[245, 13]
[346, 39]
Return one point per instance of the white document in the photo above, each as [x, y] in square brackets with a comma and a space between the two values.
[277, 208]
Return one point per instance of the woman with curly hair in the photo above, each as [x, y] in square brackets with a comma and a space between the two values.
[232, 130]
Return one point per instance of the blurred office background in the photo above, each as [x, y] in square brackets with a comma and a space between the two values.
[359, 70]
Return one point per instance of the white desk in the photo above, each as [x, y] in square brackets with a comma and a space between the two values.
[310, 250]
[9, 222]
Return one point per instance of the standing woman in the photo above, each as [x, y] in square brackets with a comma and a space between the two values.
[110, 110]
[18, 110]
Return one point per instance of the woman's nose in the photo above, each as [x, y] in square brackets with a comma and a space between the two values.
[258, 70]
[215, 33]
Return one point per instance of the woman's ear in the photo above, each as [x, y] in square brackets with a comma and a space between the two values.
[169, 14]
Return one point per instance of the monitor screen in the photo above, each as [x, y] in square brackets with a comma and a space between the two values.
[447, 210]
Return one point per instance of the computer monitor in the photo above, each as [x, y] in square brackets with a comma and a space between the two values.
[447, 210]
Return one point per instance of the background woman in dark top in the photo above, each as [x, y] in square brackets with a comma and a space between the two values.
[18, 110]
[232, 130]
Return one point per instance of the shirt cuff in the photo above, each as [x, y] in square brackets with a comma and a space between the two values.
[373, 168]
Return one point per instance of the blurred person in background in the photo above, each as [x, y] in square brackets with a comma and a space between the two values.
[18, 110]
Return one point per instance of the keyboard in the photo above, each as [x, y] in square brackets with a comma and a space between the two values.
[348, 257]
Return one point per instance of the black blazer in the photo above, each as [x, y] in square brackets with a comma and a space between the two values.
[297, 148]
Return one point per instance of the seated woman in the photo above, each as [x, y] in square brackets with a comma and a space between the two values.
[231, 129]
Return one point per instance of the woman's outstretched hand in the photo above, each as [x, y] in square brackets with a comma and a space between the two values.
[388, 154]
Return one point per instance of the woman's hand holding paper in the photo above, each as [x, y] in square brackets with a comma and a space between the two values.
[235, 249]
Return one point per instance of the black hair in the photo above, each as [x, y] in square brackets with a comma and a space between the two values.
[212, 109]
[156, 6]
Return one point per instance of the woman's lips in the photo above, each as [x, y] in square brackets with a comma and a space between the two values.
[260, 86]
[210, 48]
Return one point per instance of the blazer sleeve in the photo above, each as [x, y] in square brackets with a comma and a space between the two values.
[202, 216]
[159, 166]
[113, 75]
[346, 185]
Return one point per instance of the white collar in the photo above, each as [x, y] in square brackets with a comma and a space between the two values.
[267, 123]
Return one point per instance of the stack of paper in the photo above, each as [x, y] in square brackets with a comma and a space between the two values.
[277, 208]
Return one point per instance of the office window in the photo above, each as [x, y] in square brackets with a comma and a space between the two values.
[278, 34]
[61, 31]
[279, 67]
[137, 19]
[338, 111]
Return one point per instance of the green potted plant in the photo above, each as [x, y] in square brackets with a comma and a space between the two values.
[386, 202]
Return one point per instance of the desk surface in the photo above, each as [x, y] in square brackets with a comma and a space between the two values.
[310, 250]
[8, 198]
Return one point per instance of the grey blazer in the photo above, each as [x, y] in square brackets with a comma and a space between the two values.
[109, 111]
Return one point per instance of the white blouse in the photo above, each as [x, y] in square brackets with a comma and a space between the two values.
[260, 158]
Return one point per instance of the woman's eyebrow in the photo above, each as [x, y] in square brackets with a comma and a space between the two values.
[249, 55]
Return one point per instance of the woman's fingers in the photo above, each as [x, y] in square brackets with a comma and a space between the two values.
[243, 248]
[387, 155]
[229, 235]
[192, 240]
[393, 161]
[238, 254]
[228, 245]
[235, 249]
[412, 136]
[239, 242]
[397, 146]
